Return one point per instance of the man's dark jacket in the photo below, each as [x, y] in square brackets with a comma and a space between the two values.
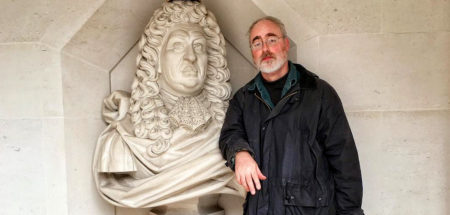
[303, 145]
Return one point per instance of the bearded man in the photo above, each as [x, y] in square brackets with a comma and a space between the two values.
[161, 146]
[287, 138]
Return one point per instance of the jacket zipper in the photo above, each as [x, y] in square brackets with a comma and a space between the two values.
[263, 101]
[287, 96]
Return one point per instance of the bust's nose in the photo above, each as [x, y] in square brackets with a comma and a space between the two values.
[189, 54]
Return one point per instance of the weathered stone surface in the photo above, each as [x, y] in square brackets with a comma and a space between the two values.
[22, 176]
[337, 17]
[80, 139]
[404, 157]
[83, 85]
[242, 71]
[31, 81]
[32, 163]
[66, 18]
[111, 32]
[416, 15]
[308, 53]
[388, 71]
[24, 21]
[123, 74]
[53, 160]
[296, 23]
[52, 22]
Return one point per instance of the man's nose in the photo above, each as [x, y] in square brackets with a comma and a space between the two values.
[265, 47]
[189, 54]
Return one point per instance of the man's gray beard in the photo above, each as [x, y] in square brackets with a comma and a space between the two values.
[275, 66]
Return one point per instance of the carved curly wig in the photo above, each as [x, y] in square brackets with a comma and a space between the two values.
[148, 113]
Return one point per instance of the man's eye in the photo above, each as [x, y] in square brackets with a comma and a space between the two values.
[257, 44]
[272, 40]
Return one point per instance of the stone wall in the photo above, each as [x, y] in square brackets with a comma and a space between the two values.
[32, 151]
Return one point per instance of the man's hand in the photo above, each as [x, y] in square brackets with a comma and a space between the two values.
[247, 172]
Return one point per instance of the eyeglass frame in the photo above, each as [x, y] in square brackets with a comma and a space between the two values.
[266, 41]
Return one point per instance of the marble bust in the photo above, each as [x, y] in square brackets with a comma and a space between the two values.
[161, 145]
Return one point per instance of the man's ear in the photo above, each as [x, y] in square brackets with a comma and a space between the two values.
[287, 44]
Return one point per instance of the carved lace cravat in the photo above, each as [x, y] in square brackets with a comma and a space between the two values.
[189, 112]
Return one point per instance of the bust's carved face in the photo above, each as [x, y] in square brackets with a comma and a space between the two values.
[184, 60]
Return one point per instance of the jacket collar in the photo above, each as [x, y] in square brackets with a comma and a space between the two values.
[291, 80]
[307, 79]
[297, 74]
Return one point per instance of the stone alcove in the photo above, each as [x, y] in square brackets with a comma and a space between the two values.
[100, 58]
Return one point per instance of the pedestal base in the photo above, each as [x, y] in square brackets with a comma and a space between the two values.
[207, 205]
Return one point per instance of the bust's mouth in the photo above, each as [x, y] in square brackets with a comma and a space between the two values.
[190, 71]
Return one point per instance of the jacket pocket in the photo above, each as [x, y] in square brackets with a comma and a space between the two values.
[306, 195]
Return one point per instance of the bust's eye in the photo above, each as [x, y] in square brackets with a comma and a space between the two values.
[199, 47]
[177, 46]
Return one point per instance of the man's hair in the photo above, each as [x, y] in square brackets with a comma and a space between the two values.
[271, 19]
[148, 113]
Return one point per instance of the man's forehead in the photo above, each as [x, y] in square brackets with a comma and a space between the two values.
[264, 28]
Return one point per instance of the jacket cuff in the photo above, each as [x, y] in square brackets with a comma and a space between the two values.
[231, 160]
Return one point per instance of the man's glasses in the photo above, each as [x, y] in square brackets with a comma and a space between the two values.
[259, 43]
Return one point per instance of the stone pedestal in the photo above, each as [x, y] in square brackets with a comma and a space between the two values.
[204, 205]
[207, 205]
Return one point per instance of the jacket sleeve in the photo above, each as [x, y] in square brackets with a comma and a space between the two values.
[233, 137]
[340, 150]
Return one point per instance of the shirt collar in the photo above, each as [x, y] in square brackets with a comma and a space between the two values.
[291, 80]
